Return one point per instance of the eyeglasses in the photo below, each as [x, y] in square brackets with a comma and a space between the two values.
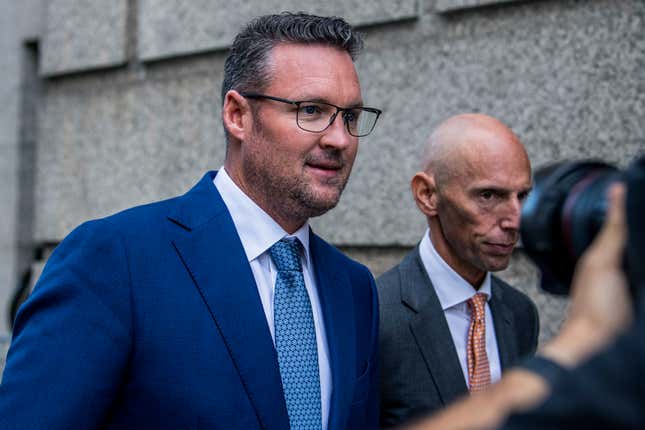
[316, 117]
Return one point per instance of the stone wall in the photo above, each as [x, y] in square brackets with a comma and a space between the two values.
[20, 28]
[129, 106]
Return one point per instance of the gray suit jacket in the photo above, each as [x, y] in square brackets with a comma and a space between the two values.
[420, 370]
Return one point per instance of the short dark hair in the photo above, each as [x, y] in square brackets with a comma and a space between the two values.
[246, 65]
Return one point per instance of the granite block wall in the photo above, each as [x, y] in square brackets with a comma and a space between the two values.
[443, 6]
[129, 108]
[9, 91]
[20, 24]
[83, 35]
[213, 24]
[567, 76]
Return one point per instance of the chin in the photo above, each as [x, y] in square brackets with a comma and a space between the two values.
[316, 200]
[317, 207]
[326, 197]
[321, 207]
[496, 267]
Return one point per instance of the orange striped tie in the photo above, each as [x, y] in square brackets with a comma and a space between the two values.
[478, 368]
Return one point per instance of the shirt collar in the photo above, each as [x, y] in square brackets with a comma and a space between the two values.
[256, 229]
[451, 288]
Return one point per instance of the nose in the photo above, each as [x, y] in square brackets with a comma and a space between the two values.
[511, 217]
[336, 135]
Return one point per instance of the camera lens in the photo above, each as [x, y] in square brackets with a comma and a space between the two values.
[562, 215]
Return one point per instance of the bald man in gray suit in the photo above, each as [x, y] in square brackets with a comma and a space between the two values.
[476, 175]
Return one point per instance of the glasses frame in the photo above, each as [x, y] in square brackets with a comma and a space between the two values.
[339, 109]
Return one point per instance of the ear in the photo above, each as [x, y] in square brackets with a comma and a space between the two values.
[236, 114]
[424, 192]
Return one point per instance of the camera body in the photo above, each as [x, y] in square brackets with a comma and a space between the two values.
[565, 211]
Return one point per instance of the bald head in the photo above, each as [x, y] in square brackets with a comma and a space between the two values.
[464, 139]
[475, 177]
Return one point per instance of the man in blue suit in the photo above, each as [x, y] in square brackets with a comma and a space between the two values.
[219, 308]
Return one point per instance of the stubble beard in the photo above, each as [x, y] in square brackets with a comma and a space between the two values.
[312, 205]
[292, 198]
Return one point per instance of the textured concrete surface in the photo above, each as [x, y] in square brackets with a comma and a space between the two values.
[9, 108]
[454, 5]
[566, 76]
[8, 223]
[83, 35]
[379, 260]
[213, 24]
[20, 22]
[4, 346]
[123, 141]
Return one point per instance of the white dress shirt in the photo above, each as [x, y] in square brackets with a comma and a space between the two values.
[258, 232]
[453, 292]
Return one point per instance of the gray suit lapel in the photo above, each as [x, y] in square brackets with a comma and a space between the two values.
[504, 326]
[430, 329]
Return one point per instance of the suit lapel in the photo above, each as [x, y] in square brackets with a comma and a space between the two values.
[213, 255]
[430, 329]
[337, 304]
[504, 326]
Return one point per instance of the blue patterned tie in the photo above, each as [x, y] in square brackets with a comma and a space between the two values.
[295, 338]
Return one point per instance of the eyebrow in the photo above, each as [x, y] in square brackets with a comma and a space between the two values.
[322, 100]
[500, 190]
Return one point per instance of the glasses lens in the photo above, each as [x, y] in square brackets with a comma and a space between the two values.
[360, 122]
[314, 116]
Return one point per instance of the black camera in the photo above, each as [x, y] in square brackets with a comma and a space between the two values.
[567, 208]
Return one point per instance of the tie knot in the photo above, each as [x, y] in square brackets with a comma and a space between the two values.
[285, 254]
[476, 304]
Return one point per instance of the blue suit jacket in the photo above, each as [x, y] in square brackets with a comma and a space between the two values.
[151, 318]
